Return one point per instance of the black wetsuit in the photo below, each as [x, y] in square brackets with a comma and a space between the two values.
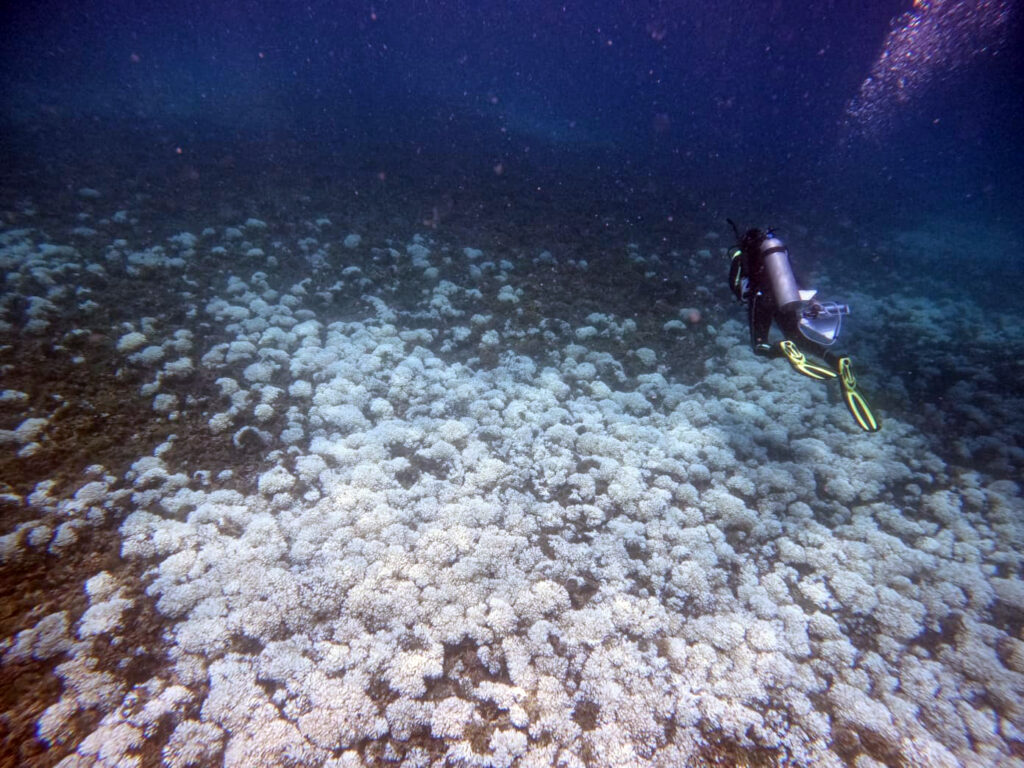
[748, 279]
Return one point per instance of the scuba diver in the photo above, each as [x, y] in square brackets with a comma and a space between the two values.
[760, 274]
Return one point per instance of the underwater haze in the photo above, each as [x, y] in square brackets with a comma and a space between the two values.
[372, 392]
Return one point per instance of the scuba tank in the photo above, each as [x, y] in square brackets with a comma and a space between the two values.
[780, 273]
[819, 322]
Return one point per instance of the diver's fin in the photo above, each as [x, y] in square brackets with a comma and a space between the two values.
[802, 365]
[854, 399]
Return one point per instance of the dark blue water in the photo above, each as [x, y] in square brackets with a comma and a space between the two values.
[746, 99]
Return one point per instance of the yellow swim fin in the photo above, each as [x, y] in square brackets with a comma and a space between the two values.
[854, 399]
[802, 365]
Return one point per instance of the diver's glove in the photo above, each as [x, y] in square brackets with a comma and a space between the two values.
[854, 399]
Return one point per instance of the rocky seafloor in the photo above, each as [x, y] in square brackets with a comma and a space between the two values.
[289, 488]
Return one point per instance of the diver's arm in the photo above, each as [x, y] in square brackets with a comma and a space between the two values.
[736, 274]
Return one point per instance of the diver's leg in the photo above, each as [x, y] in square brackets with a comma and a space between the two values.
[760, 311]
[838, 364]
[855, 402]
[795, 349]
[802, 364]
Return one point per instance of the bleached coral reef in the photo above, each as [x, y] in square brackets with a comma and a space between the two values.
[457, 553]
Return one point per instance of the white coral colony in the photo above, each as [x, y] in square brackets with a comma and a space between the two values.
[453, 554]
